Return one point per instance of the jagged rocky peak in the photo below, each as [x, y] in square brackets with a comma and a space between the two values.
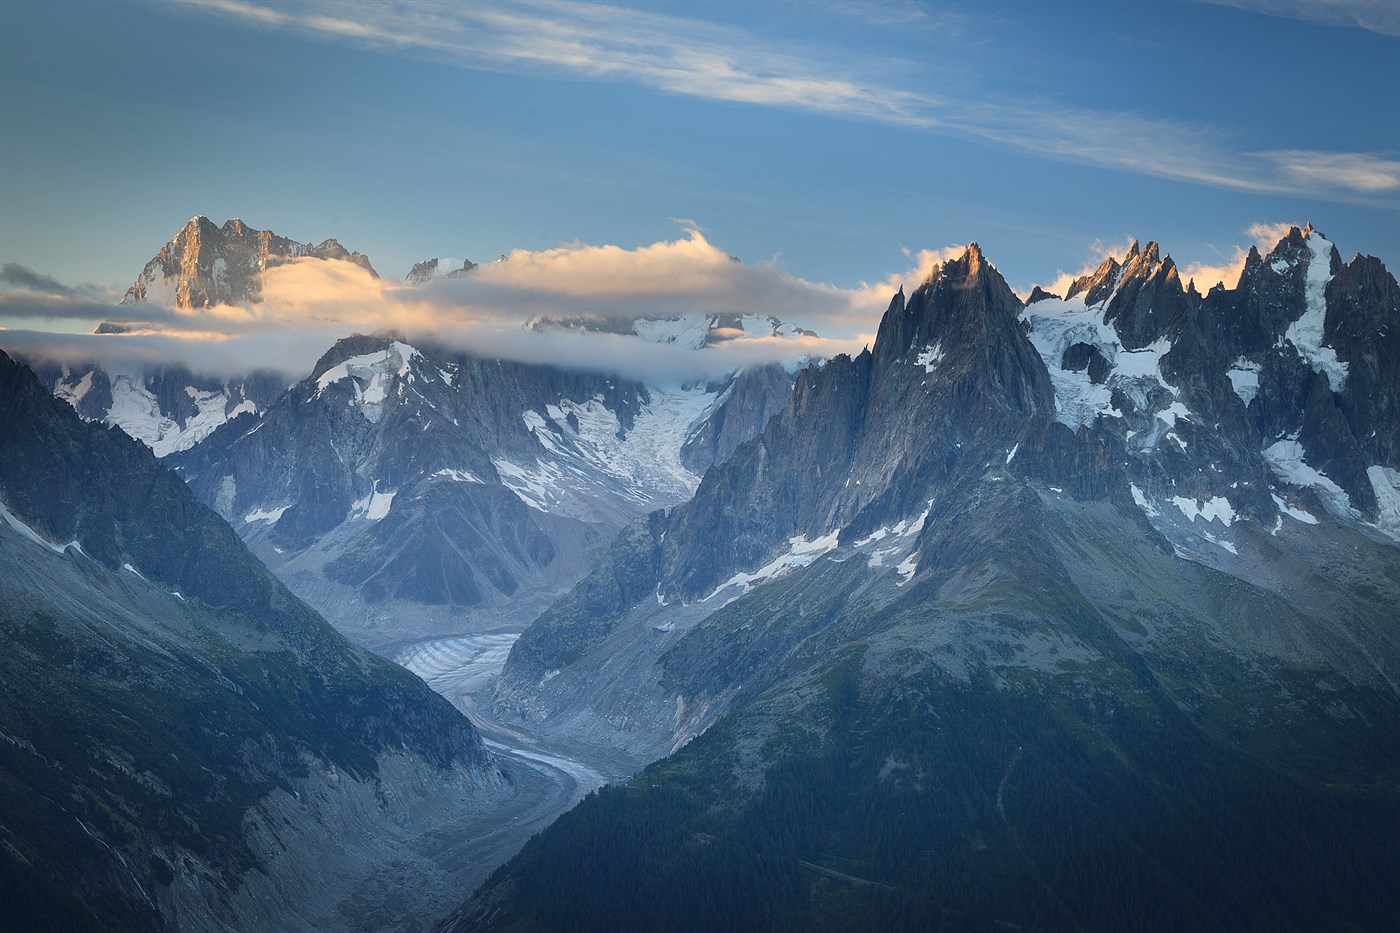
[205, 264]
[961, 303]
[1097, 285]
[431, 270]
[1040, 294]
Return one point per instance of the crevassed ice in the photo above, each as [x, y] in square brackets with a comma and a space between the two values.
[686, 330]
[583, 442]
[137, 412]
[1055, 326]
[1306, 333]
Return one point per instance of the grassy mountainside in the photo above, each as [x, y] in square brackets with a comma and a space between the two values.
[1006, 745]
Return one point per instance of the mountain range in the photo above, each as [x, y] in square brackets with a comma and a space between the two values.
[1077, 612]
[1033, 616]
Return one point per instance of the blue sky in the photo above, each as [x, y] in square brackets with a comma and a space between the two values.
[828, 140]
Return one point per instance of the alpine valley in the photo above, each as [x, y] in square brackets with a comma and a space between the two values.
[1071, 613]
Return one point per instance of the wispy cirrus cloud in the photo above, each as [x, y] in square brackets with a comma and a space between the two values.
[1380, 16]
[688, 56]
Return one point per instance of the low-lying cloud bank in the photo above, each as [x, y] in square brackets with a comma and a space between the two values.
[308, 304]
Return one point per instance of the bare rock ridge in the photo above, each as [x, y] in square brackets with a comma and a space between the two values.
[205, 264]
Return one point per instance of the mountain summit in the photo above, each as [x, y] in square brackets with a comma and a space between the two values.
[205, 264]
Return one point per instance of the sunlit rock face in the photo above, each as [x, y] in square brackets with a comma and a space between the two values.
[205, 264]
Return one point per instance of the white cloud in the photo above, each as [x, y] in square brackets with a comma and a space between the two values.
[1368, 174]
[1380, 16]
[688, 56]
[1226, 270]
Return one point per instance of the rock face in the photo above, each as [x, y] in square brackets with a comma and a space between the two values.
[205, 264]
[976, 595]
[743, 404]
[180, 733]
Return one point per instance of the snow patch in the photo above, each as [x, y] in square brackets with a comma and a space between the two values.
[1244, 379]
[1296, 514]
[271, 516]
[1385, 483]
[931, 356]
[1172, 412]
[1147, 507]
[458, 476]
[1219, 542]
[1216, 508]
[374, 506]
[907, 569]
[1286, 459]
[800, 553]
